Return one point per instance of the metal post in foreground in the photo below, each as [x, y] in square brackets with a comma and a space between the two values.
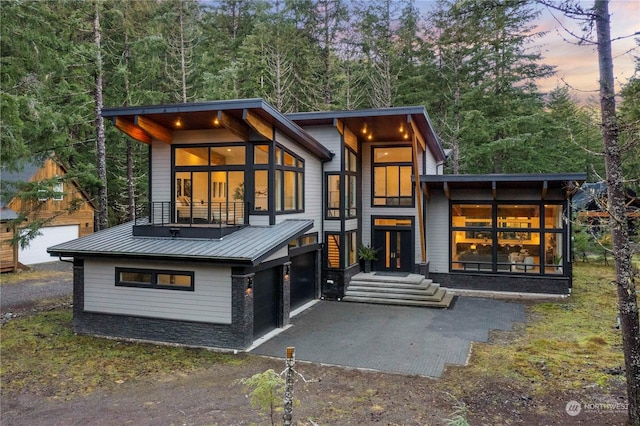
[288, 386]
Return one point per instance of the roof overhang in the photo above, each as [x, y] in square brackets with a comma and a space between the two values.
[569, 182]
[243, 117]
[379, 125]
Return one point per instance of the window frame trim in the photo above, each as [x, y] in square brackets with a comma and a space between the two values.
[154, 278]
[494, 229]
[386, 164]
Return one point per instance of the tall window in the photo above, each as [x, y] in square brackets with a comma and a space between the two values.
[392, 176]
[333, 250]
[289, 181]
[352, 257]
[520, 238]
[351, 170]
[333, 196]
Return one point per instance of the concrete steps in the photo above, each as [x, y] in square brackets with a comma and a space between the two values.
[412, 290]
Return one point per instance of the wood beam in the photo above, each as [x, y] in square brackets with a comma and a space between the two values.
[154, 129]
[236, 126]
[258, 124]
[447, 191]
[339, 124]
[494, 189]
[132, 130]
[416, 174]
[416, 133]
[545, 189]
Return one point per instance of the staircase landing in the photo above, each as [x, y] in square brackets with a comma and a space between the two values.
[386, 289]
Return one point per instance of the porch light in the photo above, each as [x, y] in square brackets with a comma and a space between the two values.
[178, 123]
[287, 270]
[216, 122]
[370, 136]
[249, 289]
[406, 135]
[364, 129]
[402, 128]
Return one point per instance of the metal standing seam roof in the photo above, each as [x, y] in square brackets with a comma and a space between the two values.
[248, 245]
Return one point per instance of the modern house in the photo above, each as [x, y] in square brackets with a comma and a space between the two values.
[254, 213]
[52, 206]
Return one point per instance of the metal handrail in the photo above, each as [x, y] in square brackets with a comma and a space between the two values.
[217, 214]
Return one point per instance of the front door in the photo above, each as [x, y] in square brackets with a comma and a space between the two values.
[395, 252]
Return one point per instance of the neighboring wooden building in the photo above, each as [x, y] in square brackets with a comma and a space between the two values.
[52, 208]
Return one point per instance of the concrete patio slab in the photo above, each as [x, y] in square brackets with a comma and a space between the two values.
[394, 339]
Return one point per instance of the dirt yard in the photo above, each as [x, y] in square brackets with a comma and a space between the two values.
[210, 394]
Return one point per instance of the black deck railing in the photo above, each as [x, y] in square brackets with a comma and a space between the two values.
[216, 214]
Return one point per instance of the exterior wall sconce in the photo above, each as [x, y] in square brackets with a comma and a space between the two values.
[249, 289]
[287, 270]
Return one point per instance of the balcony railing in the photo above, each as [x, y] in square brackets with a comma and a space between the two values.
[216, 214]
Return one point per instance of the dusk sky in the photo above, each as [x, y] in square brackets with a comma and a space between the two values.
[576, 65]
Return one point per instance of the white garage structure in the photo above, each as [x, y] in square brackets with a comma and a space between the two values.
[36, 251]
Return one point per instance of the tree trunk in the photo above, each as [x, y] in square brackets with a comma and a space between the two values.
[183, 65]
[100, 137]
[627, 300]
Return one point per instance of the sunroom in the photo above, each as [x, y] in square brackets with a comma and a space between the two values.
[504, 232]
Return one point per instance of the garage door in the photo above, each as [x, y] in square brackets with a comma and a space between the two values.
[266, 301]
[303, 279]
[36, 251]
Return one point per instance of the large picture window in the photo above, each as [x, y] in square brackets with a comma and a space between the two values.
[516, 238]
[209, 183]
[392, 171]
[151, 278]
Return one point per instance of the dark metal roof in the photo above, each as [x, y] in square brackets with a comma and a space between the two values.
[197, 115]
[249, 245]
[7, 214]
[384, 123]
[569, 181]
[516, 178]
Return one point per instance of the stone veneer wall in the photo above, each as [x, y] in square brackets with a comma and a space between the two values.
[503, 282]
[237, 335]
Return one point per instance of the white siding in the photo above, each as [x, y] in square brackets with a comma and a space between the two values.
[332, 225]
[438, 233]
[279, 254]
[430, 164]
[330, 138]
[259, 220]
[350, 224]
[209, 302]
[160, 171]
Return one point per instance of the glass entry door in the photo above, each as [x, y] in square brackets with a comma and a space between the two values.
[394, 245]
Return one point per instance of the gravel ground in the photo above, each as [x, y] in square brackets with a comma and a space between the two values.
[23, 295]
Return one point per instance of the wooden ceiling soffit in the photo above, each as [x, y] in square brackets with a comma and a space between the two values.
[339, 124]
[494, 189]
[417, 133]
[154, 129]
[447, 190]
[258, 124]
[234, 125]
[350, 139]
[132, 130]
[545, 189]
[426, 191]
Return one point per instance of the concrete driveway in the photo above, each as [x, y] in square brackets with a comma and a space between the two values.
[393, 339]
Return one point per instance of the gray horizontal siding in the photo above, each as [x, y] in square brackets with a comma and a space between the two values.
[209, 302]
